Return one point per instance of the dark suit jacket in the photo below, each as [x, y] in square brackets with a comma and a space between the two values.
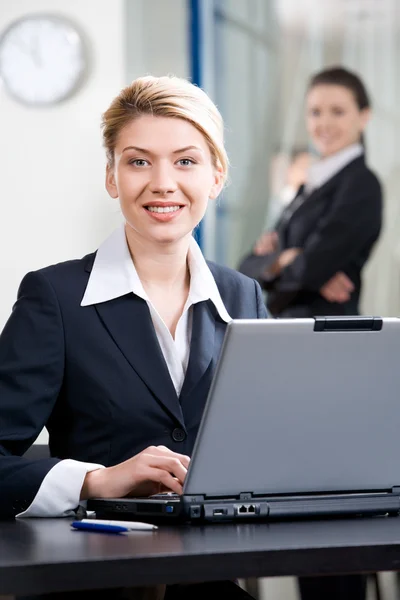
[336, 226]
[95, 376]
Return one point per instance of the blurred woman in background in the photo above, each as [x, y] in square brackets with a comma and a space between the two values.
[311, 262]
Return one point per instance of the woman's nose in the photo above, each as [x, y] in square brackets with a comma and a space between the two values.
[162, 181]
[324, 122]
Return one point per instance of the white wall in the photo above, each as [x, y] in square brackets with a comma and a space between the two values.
[53, 205]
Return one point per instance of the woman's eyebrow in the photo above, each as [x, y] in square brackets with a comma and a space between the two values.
[179, 151]
[186, 148]
[142, 150]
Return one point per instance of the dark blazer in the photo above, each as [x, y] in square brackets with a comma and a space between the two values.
[95, 376]
[336, 226]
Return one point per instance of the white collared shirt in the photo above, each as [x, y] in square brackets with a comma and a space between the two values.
[113, 275]
[321, 171]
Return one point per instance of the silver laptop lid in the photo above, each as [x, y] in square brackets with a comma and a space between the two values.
[295, 410]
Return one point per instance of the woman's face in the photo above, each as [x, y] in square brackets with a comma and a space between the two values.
[163, 176]
[334, 120]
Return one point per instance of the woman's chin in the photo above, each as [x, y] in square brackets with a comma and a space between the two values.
[158, 234]
[326, 150]
[166, 238]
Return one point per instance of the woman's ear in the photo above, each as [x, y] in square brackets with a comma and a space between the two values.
[218, 183]
[111, 185]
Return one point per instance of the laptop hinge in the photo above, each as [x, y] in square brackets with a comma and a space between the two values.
[348, 324]
[201, 498]
[396, 490]
[245, 495]
[194, 499]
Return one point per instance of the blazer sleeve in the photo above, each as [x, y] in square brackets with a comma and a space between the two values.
[262, 312]
[254, 266]
[31, 375]
[351, 225]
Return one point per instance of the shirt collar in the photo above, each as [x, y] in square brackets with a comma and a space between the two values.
[113, 275]
[324, 169]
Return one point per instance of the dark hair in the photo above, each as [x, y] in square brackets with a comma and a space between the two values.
[349, 80]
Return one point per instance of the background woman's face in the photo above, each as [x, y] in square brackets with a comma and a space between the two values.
[334, 120]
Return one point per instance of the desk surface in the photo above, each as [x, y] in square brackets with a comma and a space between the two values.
[43, 555]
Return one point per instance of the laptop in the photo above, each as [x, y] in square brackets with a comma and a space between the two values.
[302, 420]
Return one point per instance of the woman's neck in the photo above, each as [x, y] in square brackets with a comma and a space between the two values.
[159, 265]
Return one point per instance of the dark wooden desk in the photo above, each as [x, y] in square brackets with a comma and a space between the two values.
[45, 555]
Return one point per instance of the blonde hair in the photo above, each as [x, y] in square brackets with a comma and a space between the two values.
[166, 97]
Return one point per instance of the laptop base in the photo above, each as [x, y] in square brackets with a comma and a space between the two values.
[245, 508]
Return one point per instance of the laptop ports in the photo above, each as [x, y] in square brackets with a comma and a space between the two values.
[247, 509]
[219, 512]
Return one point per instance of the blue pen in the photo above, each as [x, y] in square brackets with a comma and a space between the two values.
[85, 526]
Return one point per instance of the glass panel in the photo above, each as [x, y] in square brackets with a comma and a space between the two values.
[265, 52]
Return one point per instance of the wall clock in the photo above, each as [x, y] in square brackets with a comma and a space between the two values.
[43, 59]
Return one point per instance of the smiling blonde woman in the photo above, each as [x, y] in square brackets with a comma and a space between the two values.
[115, 353]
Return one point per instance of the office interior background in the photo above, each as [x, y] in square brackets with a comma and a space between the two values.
[254, 58]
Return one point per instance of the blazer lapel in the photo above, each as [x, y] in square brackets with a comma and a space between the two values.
[202, 346]
[328, 185]
[129, 323]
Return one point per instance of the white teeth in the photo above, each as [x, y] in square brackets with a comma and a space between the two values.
[163, 209]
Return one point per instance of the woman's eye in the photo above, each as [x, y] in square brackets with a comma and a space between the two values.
[139, 162]
[185, 162]
[338, 112]
[315, 112]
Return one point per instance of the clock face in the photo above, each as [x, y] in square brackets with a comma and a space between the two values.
[42, 59]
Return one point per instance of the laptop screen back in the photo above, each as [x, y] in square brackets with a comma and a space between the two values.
[292, 410]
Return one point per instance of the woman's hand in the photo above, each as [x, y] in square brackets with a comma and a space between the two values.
[266, 243]
[156, 469]
[287, 257]
[338, 288]
[284, 260]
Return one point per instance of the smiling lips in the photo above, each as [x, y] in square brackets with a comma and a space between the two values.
[163, 211]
